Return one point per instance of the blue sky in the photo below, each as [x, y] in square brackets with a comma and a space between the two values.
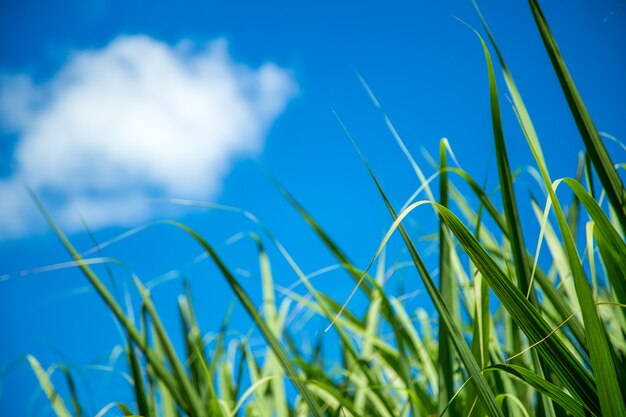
[106, 105]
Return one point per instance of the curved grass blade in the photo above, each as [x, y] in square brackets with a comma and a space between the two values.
[612, 247]
[58, 405]
[138, 383]
[573, 406]
[604, 227]
[124, 409]
[509, 202]
[598, 154]
[73, 393]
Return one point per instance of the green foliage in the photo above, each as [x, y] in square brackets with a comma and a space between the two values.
[563, 355]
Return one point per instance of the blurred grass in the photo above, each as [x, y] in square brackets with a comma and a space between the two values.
[555, 344]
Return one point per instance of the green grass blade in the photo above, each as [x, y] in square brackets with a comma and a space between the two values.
[598, 154]
[191, 338]
[573, 210]
[273, 368]
[338, 396]
[213, 406]
[604, 227]
[168, 402]
[612, 247]
[480, 333]
[125, 410]
[509, 202]
[447, 288]
[372, 325]
[73, 393]
[573, 406]
[138, 382]
[258, 381]
[57, 403]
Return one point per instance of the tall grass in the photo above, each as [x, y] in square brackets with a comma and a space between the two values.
[555, 345]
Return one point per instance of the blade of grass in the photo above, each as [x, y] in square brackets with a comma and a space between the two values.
[598, 154]
[447, 288]
[572, 406]
[73, 393]
[48, 388]
[138, 383]
[214, 407]
[273, 369]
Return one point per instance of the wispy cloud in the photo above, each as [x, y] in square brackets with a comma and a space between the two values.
[136, 119]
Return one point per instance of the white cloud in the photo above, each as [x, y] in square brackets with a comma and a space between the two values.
[136, 119]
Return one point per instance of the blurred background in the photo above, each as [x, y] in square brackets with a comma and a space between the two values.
[110, 109]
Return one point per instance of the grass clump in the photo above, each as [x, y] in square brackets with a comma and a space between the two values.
[553, 346]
